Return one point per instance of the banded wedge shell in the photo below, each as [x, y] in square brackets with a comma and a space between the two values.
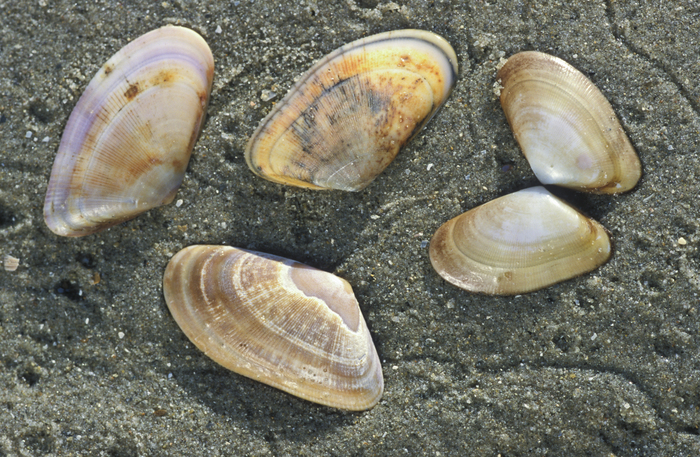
[277, 321]
[518, 243]
[128, 140]
[345, 120]
[565, 126]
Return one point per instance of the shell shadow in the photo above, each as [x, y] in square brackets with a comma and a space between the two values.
[595, 206]
[264, 411]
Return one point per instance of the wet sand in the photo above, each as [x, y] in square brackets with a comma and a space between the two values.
[92, 363]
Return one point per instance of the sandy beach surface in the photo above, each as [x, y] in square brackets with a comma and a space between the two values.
[607, 364]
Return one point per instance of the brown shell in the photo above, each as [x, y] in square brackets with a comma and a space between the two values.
[565, 126]
[277, 321]
[348, 116]
[518, 243]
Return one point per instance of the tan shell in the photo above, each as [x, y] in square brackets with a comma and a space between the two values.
[518, 243]
[129, 138]
[565, 126]
[346, 119]
[276, 321]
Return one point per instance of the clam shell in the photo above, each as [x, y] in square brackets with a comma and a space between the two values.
[277, 321]
[565, 126]
[345, 120]
[128, 140]
[518, 243]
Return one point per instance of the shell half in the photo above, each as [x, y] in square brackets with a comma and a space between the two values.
[129, 138]
[277, 321]
[518, 243]
[345, 120]
[566, 128]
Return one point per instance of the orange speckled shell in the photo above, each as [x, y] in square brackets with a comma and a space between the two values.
[348, 116]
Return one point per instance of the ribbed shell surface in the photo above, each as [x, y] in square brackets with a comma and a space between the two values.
[518, 243]
[566, 128]
[251, 313]
[129, 138]
[345, 120]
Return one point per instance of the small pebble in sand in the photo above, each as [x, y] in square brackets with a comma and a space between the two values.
[11, 263]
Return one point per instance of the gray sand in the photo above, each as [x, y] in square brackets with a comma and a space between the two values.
[605, 364]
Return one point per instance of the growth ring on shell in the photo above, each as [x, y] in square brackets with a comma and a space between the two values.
[518, 243]
[345, 120]
[277, 321]
[565, 126]
[129, 138]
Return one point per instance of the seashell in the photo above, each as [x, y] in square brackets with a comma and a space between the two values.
[277, 321]
[10, 263]
[345, 120]
[565, 126]
[518, 243]
[128, 140]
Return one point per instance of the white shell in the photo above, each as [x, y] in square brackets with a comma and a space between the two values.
[10, 263]
[518, 243]
[276, 321]
[346, 119]
[127, 143]
[565, 126]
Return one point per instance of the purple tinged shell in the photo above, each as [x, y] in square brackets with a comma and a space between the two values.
[128, 140]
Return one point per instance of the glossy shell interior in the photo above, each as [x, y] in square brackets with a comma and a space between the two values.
[566, 128]
[277, 321]
[518, 243]
[346, 119]
[129, 138]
